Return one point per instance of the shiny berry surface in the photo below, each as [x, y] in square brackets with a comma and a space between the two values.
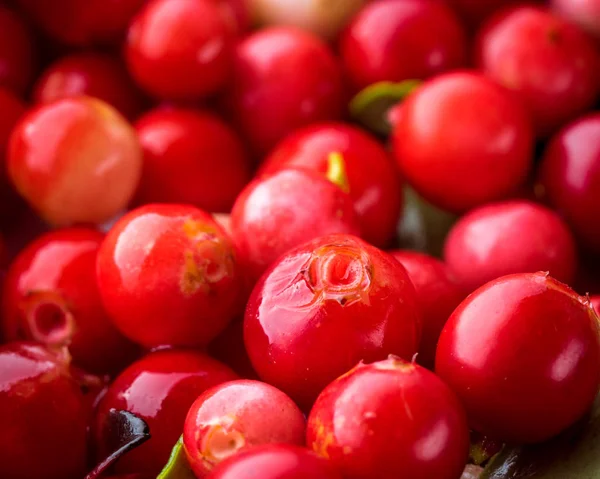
[583, 13]
[75, 160]
[523, 319]
[398, 417]
[190, 157]
[456, 154]
[168, 276]
[373, 181]
[394, 41]
[237, 415]
[17, 52]
[325, 306]
[159, 388]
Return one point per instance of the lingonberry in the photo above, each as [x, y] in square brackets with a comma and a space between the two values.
[457, 154]
[570, 177]
[595, 302]
[50, 295]
[283, 79]
[43, 413]
[373, 181]
[523, 355]
[190, 157]
[17, 52]
[237, 415]
[509, 237]
[92, 74]
[325, 306]
[180, 49]
[159, 388]
[438, 293]
[393, 41]
[237, 14]
[399, 420]
[550, 64]
[168, 276]
[275, 461]
[584, 13]
[75, 160]
[278, 212]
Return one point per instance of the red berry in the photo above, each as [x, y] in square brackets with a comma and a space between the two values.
[325, 306]
[438, 294]
[159, 388]
[76, 160]
[91, 74]
[180, 49]
[549, 63]
[373, 180]
[523, 355]
[583, 13]
[44, 416]
[190, 157]
[275, 461]
[17, 52]
[570, 177]
[457, 154]
[509, 237]
[51, 296]
[279, 212]
[168, 276]
[283, 79]
[238, 415]
[228, 347]
[390, 419]
[394, 41]
[595, 302]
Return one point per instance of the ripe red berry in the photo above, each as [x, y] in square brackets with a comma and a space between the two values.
[190, 157]
[76, 160]
[159, 388]
[180, 49]
[17, 52]
[438, 293]
[275, 461]
[43, 413]
[509, 237]
[549, 63]
[92, 74]
[283, 79]
[583, 13]
[390, 419]
[457, 154]
[570, 177]
[325, 306]
[373, 181]
[394, 41]
[168, 276]
[523, 355]
[595, 302]
[237, 415]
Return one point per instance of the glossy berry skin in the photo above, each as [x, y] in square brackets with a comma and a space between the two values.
[550, 64]
[283, 79]
[180, 49]
[75, 160]
[17, 52]
[275, 461]
[570, 177]
[190, 157]
[50, 295]
[325, 306]
[276, 213]
[595, 302]
[237, 415]
[394, 41]
[168, 276]
[43, 414]
[456, 154]
[583, 13]
[373, 181]
[400, 421]
[438, 293]
[524, 319]
[92, 74]
[159, 388]
[509, 237]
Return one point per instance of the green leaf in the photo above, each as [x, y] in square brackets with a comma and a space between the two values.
[178, 466]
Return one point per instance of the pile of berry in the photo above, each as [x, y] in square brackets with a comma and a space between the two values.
[296, 239]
